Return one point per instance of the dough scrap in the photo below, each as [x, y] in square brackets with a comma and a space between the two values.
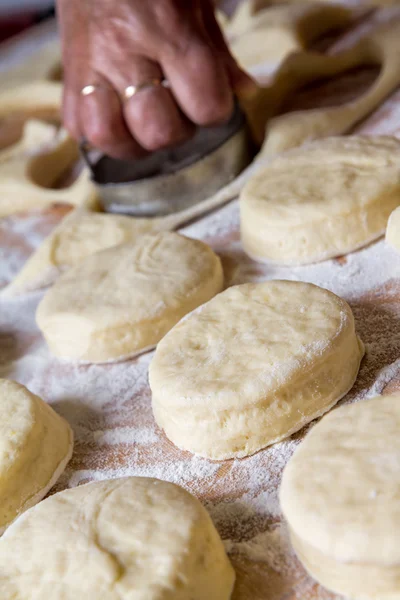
[269, 35]
[36, 100]
[340, 496]
[322, 200]
[36, 137]
[32, 97]
[123, 539]
[35, 447]
[25, 179]
[122, 301]
[253, 366]
[20, 102]
[279, 133]
[393, 229]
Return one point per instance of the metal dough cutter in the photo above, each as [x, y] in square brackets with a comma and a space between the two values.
[173, 179]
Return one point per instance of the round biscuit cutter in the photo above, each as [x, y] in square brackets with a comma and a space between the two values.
[174, 179]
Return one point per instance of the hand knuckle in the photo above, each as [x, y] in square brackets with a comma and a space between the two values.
[156, 138]
[100, 135]
[214, 111]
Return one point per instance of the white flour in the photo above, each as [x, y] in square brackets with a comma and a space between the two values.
[109, 406]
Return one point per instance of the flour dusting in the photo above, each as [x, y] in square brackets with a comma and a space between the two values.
[109, 406]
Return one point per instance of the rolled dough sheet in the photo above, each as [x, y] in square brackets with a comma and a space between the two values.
[31, 98]
[26, 179]
[279, 133]
[269, 35]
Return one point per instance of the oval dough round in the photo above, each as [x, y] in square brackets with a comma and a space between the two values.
[79, 235]
[393, 229]
[123, 300]
[252, 366]
[322, 200]
[124, 539]
[340, 495]
[35, 447]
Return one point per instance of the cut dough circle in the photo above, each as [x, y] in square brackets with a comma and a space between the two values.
[252, 366]
[123, 300]
[79, 235]
[340, 496]
[322, 200]
[121, 539]
[393, 229]
[35, 447]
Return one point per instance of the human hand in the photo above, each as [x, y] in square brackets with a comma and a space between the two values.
[113, 45]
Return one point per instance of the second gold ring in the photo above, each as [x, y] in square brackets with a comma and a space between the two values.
[132, 90]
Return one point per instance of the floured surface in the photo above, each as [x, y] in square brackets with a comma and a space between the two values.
[109, 406]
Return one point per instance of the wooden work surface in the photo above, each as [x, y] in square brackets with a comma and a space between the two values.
[109, 406]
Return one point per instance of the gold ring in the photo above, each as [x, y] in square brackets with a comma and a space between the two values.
[132, 90]
[90, 89]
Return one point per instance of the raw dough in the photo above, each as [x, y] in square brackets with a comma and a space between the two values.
[382, 48]
[26, 179]
[267, 36]
[84, 232]
[79, 235]
[322, 200]
[39, 100]
[340, 495]
[393, 229]
[317, 123]
[308, 124]
[35, 447]
[124, 539]
[36, 137]
[31, 98]
[123, 300]
[252, 366]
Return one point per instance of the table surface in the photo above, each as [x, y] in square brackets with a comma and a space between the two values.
[109, 406]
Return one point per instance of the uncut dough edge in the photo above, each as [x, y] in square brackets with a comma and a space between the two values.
[196, 428]
[356, 581]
